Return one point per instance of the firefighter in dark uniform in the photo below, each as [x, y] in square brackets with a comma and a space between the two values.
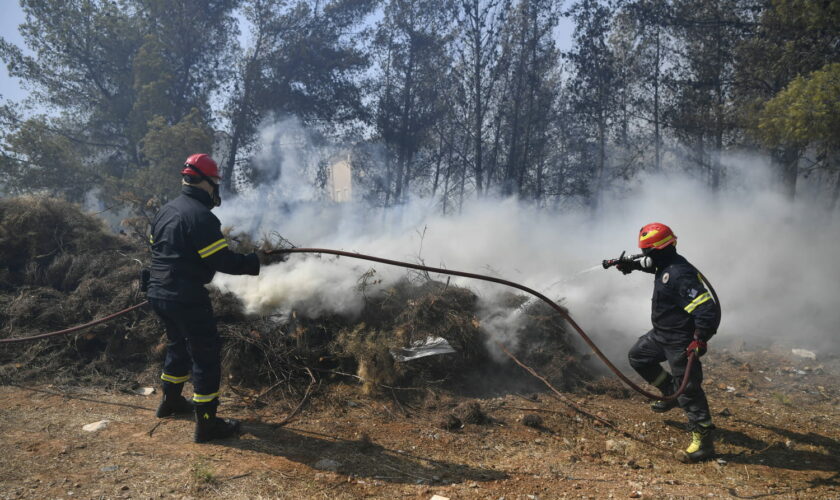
[187, 249]
[684, 317]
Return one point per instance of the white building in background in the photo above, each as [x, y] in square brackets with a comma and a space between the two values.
[340, 178]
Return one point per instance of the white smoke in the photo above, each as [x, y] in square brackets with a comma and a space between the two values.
[770, 260]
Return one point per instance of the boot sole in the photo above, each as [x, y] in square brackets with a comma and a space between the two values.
[663, 410]
[666, 410]
[686, 458]
[234, 434]
[169, 413]
[207, 440]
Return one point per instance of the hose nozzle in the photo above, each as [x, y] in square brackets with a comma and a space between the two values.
[608, 263]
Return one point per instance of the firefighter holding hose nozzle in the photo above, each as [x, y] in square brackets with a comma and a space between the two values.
[684, 317]
[188, 248]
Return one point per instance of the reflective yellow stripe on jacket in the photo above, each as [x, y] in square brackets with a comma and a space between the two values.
[212, 248]
[696, 302]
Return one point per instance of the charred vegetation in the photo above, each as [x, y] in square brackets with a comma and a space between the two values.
[62, 267]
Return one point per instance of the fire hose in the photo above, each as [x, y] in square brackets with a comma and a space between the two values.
[419, 267]
[75, 328]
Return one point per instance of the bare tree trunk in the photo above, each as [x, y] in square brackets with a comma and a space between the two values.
[657, 139]
[600, 176]
[833, 159]
[389, 167]
[786, 163]
[239, 121]
[404, 154]
[446, 178]
[720, 94]
[461, 194]
[438, 162]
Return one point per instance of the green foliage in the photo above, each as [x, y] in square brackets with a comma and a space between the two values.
[410, 42]
[44, 161]
[125, 78]
[806, 112]
[592, 89]
[451, 98]
[202, 473]
[165, 148]
[152, 83]
[792, 38]
[783, 398]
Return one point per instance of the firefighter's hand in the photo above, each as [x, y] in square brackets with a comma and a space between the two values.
[627, 266]
[697, 346]
[272, 256]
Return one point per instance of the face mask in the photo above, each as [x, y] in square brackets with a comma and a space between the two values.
[217, 199]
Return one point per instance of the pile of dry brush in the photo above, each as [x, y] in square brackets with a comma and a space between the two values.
[60, 267]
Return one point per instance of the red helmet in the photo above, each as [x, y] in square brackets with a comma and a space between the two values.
[203, 163]
[656, 236]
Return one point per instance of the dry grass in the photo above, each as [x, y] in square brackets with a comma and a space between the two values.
[61, 267]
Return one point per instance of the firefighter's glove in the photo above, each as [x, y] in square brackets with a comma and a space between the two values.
[703, 334]
[697, 346]
[272, 256]
[627, 266]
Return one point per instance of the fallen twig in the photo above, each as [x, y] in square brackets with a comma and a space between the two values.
[152, 430]
[572, 405]
[303, 401]
[536, 409]
[560, 395]
[234, 477]
[399, 405]
[265, 392]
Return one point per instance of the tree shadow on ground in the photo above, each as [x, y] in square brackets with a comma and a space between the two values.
[775, 453]
[356, 458]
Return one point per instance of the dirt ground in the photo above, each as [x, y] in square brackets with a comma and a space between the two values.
[778, 417]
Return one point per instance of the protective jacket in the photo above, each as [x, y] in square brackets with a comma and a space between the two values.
[188, 248]
[681, 304]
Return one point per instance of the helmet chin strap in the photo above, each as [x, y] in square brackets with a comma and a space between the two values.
[217, 200]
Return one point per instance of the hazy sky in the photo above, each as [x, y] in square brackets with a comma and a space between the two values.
[9, 21]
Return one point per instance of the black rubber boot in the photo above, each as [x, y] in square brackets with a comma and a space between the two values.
[660, 406]
[667, 388]
[172, 402]
[702, 445]
[209, 427]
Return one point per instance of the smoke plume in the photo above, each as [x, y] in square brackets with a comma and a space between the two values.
[770, 259]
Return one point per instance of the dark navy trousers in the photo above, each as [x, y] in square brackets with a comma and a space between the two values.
[651, 350]
[194, 345]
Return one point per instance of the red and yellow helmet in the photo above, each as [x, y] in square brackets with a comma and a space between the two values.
[656, 236]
